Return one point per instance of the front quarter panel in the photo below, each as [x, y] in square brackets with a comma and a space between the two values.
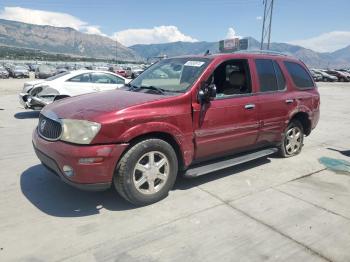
[171, 116]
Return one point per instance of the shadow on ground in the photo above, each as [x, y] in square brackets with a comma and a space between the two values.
[49, 194]
[53, 197]
[343, 152]
[183, 183]
[27, 114]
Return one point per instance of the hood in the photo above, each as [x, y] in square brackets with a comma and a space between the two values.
[95, 106]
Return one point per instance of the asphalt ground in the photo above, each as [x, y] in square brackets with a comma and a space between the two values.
[271, 209]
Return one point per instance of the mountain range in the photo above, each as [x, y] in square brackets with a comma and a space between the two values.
[68, 41]
[62, 40]
[339, 58]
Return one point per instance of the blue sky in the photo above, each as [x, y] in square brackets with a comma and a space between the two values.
[321, 25]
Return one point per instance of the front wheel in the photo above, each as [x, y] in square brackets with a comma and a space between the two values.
[146, 172]
[293, 139]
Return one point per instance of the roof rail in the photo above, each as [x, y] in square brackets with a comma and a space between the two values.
[266, 52]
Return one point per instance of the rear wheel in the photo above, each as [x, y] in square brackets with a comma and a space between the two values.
[293, 139]
[146, 172]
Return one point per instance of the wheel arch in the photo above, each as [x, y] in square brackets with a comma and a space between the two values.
[167, 137]
[305, 121]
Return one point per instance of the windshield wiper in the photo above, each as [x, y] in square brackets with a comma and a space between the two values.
[132, 87]
[158, 89]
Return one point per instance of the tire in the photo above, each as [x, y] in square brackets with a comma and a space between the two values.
[138, 180]
[292, 146]
[341, 80]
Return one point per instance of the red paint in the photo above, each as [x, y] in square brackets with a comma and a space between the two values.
[227, 126]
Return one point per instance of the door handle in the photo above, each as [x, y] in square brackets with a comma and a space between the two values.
[249, 106]
[289, 101]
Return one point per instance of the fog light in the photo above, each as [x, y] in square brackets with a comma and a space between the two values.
[90, 160]
[68, 171]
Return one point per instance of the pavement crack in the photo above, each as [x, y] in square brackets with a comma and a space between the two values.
[307, 175]
[310, 203]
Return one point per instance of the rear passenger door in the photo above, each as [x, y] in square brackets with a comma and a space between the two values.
[273, 102]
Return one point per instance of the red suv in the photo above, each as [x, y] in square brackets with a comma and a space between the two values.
[190, 115]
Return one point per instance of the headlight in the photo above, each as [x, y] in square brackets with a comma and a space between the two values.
[79, 131]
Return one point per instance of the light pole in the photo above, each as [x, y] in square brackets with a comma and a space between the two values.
[267, 22]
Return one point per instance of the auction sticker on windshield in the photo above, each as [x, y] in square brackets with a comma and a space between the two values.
[194, 63]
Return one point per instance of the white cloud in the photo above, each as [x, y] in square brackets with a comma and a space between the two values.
[327, 42]
[159, 34]
[259, 18]
[231, 33]
[41, 17]
[155, 35]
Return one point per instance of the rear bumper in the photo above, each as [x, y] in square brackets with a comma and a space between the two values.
[94, 176]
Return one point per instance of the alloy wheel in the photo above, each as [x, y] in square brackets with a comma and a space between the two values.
[293, 140]
[151, 172]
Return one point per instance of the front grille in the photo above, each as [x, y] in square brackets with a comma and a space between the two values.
[48, 128]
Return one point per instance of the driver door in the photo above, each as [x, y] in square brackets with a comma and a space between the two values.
[229, 123]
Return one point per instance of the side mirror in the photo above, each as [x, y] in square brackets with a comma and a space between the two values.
[206, 93]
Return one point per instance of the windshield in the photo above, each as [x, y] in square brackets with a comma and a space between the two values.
[172, 75]
[57, 76]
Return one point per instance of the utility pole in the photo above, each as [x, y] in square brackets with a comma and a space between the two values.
[267, 22]
[116, 51]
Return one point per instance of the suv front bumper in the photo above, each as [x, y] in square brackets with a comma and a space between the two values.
[94, 176]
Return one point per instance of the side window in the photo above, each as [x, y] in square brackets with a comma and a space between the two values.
[267, 76]
[300, 76]
[100, 78]
[281, 81]
[83, 78]
[232, 78]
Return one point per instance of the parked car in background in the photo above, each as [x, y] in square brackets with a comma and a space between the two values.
[121, 72]
[61, 69]
[19, 71]
[128, 71]
[3, 72]
[37, 94]
[316, 76]
[101, 68]
[175, 117]
[32, 67]
[136, 72]
[45, 71]
[345, 72]
[325, 76]
[342, 77]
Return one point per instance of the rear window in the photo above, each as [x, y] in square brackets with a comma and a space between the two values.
[300, 76]
[270, 75]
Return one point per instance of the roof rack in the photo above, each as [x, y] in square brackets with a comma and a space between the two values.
[266, 52]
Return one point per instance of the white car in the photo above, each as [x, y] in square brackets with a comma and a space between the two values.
[39, 93]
